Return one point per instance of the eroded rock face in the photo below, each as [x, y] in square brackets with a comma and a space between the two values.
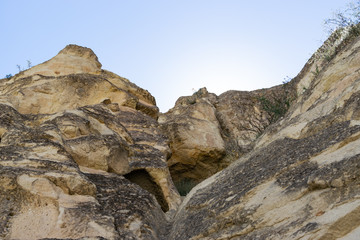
[208, 132]
[71, 60]
[196, 142]
[301, 180]
[243, 119]
[68, 141]
[97, 168]
[70, 80]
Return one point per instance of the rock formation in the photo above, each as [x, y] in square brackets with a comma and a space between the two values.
[196, 141]
[302, 178]
[74, 138]
[85, 154]
[208, 132]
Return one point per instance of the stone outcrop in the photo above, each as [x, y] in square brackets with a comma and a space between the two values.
[70, 60]
[208, 132]
[72, 79]
[301, 180]
[82, 155]
[195, 137]
[85, 154]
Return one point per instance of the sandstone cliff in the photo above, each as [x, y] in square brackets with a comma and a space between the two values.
[208, 132]
[76, 144]
[85, 154]
[301, 180]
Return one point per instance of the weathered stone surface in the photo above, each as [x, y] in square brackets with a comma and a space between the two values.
[71, 60]
[196, 142]
[301, 180]
[208, 132]
[136, 213]
[151, 150]
[33, 207]
[243, 119]
[66, 139]
[70, 80]
[98, 168]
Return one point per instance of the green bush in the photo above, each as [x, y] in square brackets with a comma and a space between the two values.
[276, 106]
[277, 103]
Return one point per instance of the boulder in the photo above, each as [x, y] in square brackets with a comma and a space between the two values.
[195, 138]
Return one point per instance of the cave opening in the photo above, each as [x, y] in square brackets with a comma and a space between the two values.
[142, 178]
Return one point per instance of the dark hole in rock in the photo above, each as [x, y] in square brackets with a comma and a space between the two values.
[144, 180]
[106, 101]
[185, 185]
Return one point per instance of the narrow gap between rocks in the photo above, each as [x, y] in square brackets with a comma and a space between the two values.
[143, 179]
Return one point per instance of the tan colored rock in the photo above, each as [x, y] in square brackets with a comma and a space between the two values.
[146, 103]
[163, 179]
[43, 188]
[61, 166]
[47, 95]
[195, 139]
[243, 118]
[61, 171]
[150, 153]
[40, 204]
[71, 60]
[103, 153]
[72, 79]
[301, 180]
[235, 120]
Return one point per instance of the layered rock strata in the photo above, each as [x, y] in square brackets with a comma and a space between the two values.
[71, 134]
[301, 180]
[80, 167]
[208, 132]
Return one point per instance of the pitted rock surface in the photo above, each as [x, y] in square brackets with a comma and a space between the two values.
[85, 154]
[66, 143]
[301, 179]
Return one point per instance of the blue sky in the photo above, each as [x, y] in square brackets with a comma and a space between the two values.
[171, 47]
